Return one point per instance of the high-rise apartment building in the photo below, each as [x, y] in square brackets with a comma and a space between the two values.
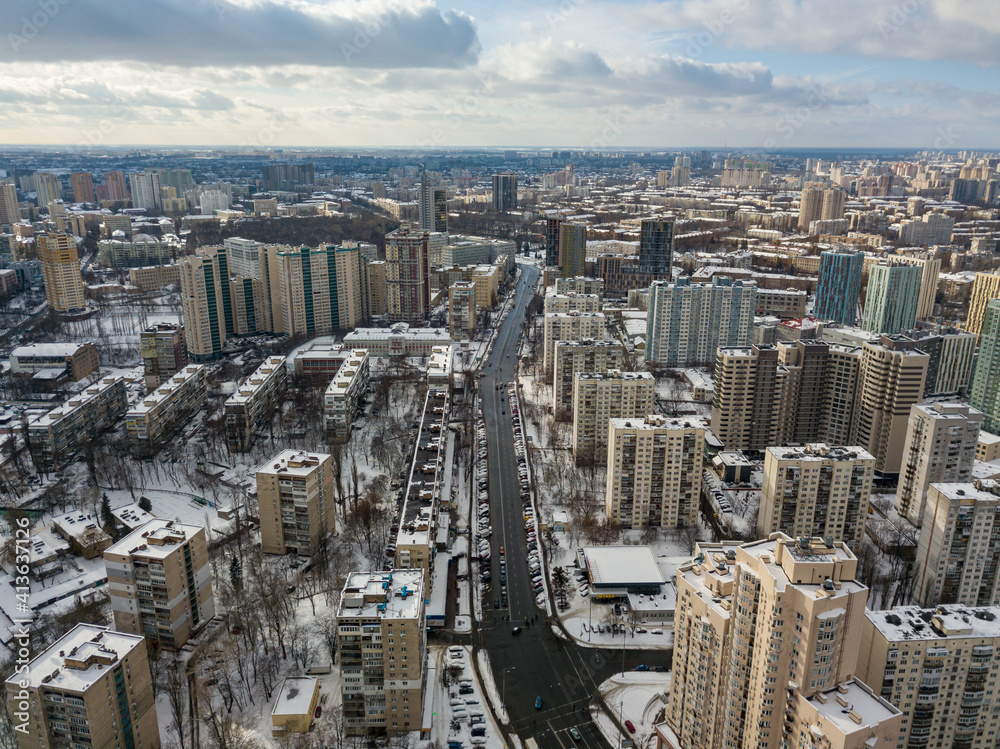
[571, 357]
[688, 323]
[571, 303]
[766, 641]
[433, 205]
[654, 471]
[984, 393]
[163, 351]
[47, 189]
[656, 245]
[839, 286]
[462, 309]
[579, 285]
[505, 192]
[984, 288]
[407, 274]
[599, 396]
[296, 502]
[115, 184]
[890, 380]
[818, 491]
[61, 271]
[382, 647]
[91, 688]
[10, 210]
[952, 354]
[83, 187]
[930, 229]
[145, 190]
[931, 268]
[940, 448]
[378, 295]
[893, 297]
[746, 398]
[288, 176]
[204, 299]
[572, 248]
[936, 666]
[160, 581]
[569, 326]
[244, 256]
[819, 203]
[321, 289]
[958, 552]
[553, 225]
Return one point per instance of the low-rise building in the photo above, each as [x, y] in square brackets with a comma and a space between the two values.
[252, 406]
[160, 580]
[382, 648]
[788, 304]
[295, 706]
[988, 447]
[92, 687]
[398, 339]
[54, 437]
[83, 532]
[153, 419]
[155, 277]
[345, 394]
[317, 363]
[77, 359]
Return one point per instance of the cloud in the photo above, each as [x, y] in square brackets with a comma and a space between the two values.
[958, 30]
[229, 33]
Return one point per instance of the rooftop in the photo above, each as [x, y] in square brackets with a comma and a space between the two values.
[132, 516]
[46, 350]
[398, 594]
[622, 565]
[615, 374]
[80, 658]
[819, 452]
[948, 620]
[849, 708]
[265, 372]
[964, 491]
[295, 695]
[656, 421]
[293, 463]
[77, 523]
[158, 538]
[398, 330]
[168, 388]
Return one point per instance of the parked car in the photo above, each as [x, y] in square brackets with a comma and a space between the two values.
[630, 726]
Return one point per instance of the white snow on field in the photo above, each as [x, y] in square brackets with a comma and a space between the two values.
[490, 686]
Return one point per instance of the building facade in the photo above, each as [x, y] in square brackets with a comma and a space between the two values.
[654, 471]
[61, 272]
[160, 580]
[252, 406]
[344, 396]
[985, 287]
[205, 301]
[600, 396]
[940, 448]
[153, 420]
[572, 248]
[296, 502]
[984, 395]
[407, 264]
[569, 326]
[571, 357]
[164, 352]
[893, 297]
[839, 286]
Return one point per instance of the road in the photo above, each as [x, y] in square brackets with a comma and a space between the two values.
[537, 662]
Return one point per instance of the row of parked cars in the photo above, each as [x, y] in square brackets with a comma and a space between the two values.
[534, 558]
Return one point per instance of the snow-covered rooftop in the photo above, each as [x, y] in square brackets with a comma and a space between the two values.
[619, 566]
[80, 658]
[156, 539]
[296, 695]
[949, 620]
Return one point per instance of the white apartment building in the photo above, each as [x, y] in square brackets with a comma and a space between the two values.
[959, 547]
[817, 490]
[766, 641]
[940, 448]
[600, 396]
[939, 667]
[570, 326]
[342, 400]
[252, 406]
[655, 465]
[382, 648]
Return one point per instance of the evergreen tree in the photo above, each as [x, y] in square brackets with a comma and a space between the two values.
[235, 572]
[107, 518]
[145, 504]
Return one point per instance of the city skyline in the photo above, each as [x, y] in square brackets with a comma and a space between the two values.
[738, 73]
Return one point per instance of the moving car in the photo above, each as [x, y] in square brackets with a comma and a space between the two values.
[575, 734]
[538, 702]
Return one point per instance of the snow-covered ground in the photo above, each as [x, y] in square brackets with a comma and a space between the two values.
[454, 712]
[637, 697]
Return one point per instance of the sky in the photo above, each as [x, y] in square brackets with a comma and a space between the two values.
[747, 74]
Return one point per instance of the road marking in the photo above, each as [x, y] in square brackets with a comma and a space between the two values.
[555, 734]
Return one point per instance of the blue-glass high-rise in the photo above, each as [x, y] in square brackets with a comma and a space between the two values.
[839, 286]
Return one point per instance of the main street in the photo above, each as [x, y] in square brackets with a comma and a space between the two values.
[537, 662]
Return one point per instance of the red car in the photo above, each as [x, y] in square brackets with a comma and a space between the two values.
[629, 725]
[319, 710]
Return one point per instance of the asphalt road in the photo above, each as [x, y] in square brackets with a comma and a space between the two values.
[537, 662]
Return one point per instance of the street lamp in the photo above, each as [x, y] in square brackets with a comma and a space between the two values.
[621, 717]
[504, 691]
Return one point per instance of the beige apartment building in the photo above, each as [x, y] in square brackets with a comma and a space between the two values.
[90, 688]
[766, 639]
[571, 357]
[381, 642]
[78, 359]
[579, 285]
[816, 490]
[572, 302]
[940, 448]
[462, 309]
[295, 501]
[204, 278]
[61, 271]
[569, 326]
[985, 287]
[54, 437]
[252, 406]
[958, 548]
[160, 581]
[938, 666]
[788, 304]
[655, 465]
[343, 397]
[746, 398]
[600, 396]
[153, 420]
[154, 277]
[164, 352]
[377, 293]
